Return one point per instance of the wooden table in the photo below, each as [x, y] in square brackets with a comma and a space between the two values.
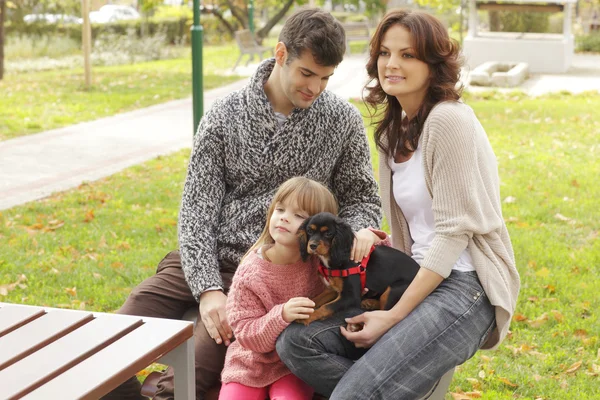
[48, 353]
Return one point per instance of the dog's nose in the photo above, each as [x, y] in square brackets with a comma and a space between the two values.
[313, 246]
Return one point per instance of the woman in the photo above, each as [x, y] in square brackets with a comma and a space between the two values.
[440, 190]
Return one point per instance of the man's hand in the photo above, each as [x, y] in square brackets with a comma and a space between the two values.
[363, 241]
[376, 324]
[214, 318]
[297, 308]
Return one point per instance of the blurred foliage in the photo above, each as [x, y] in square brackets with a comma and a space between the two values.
[590, 43]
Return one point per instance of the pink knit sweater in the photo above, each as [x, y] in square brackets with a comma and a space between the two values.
[254, 310]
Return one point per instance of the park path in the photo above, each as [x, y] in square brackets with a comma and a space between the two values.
[32, 167]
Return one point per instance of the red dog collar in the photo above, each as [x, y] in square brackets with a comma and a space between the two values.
[359, 269]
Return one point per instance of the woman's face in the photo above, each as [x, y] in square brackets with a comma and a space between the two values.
[401, 74]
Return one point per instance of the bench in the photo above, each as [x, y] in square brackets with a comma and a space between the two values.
[248, 45]
[356, 32]
[51, 353]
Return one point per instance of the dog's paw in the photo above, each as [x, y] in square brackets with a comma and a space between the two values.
[355, 327]
[370, 304]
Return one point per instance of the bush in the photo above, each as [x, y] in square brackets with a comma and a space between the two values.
[524, 21]
[176, 29]
[589, 43]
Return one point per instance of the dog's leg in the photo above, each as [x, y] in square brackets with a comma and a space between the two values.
[326, 296]
[327, 309]
[392, 295]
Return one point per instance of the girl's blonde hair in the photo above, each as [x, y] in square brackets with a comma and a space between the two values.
[310, 196]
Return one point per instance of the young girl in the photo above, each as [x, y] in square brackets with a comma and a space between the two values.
[440, 193]
[270, 289]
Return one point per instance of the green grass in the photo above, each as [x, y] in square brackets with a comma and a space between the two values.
[88, 247]
[35, 102]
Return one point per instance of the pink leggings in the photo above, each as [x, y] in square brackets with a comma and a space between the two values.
[287, 388]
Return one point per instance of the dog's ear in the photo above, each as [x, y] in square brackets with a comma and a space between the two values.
[341, 245]
[303, 239]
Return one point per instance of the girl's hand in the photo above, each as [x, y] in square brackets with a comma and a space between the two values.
[297, 308]
[375, 325]
[363, 241]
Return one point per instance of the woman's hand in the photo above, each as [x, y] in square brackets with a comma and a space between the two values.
[363, 241]
[375, 325]
[297, 308]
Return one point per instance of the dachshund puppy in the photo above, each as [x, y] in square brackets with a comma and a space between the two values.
[386, 274]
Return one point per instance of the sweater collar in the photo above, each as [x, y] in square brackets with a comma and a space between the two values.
[257, 98]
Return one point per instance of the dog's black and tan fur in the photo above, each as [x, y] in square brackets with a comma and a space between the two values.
[388, 273]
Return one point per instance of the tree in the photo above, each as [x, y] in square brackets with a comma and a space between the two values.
[2, 18]
[239, 13]
[275, 9]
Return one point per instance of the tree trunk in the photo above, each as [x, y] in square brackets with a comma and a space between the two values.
[2, 18]
[264, 31]
[238, 14]
[220, 17]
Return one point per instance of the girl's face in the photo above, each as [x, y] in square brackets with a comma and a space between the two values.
[285, 221]
[401, 74]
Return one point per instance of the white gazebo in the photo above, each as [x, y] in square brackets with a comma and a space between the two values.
[544, 52]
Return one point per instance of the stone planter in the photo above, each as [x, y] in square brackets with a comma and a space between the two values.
[501, 74]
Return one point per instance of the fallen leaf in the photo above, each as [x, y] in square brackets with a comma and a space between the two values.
[89, 216]
[574, 183]
[580, 333]
[561, 217]
[557, 315]
[473, 395]
[71, 291]
[510, 199]
[117, 264]
[519, 317]
[539, 321]
[533, 299]
[459, 396]
[474, 383]
[550, 288]
[5, 289]
[481, 374]
[574, 367]
[507, 382]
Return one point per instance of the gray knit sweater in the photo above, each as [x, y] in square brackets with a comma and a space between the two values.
[240, 157]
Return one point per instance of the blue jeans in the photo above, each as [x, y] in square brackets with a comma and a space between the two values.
[445, 330]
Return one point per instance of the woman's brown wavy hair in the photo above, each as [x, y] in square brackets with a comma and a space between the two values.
[433, 46]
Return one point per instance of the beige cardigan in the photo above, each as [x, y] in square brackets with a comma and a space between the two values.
[462, 178]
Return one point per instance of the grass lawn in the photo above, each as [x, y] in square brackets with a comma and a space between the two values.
[88, 247]
[38, 101]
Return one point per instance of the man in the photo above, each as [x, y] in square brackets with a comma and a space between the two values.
[282, 124]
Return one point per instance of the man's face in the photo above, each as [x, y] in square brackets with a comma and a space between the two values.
[303, 80]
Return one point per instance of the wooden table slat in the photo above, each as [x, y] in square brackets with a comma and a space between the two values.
[12, 317]
[38, 333]
[105, 370]
[31, 372]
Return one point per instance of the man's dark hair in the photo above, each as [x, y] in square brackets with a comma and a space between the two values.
[316, 31]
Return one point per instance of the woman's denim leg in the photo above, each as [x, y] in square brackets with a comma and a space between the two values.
[442, 332]
[319, 354]
[445, 330]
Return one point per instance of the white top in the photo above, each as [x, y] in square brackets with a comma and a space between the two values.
[413, 198]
